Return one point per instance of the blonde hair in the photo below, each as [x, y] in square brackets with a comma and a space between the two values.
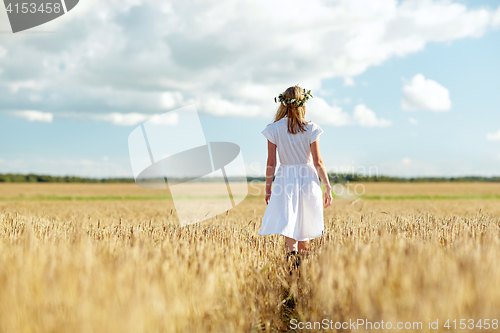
[296, 114]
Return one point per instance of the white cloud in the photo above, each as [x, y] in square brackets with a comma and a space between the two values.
[493, 136]
[406, 161]
[31, 84]
[367, 118]
[130, 119]
[170, 100]
[86, 162]
[413, 121]
[115, 118]
[425, 94]
[231, 57]
[217, 105]
[122, 119]
[319, 111]
[349, 82]
[170, 118]
[496, 19]
[33, 115]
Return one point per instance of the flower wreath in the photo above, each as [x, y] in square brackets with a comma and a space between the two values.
[297, 102]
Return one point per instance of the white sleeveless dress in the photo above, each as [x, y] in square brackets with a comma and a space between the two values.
[295, 208]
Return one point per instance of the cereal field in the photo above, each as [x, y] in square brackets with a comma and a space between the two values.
[111, 258]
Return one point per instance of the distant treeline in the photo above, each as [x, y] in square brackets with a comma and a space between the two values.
[334, 178]
[31, 178]
[388, 179]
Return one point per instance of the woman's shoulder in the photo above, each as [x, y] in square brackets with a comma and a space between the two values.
[312, 125]
[273, 126]
[314, 129]
[278, 123]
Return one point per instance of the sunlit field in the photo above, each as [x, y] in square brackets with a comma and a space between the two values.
[112, 258]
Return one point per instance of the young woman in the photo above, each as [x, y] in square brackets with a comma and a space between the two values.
[294, 205]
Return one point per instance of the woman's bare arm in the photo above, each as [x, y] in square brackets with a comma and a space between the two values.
[320, 167]
[271, 167]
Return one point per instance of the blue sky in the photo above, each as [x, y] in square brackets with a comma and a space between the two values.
[58, 90]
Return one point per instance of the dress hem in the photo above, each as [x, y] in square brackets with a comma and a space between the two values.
[298, 240]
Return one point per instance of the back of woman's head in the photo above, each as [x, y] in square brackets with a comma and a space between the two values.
[292, 106]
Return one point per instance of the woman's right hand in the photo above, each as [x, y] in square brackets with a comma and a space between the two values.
[328, 196]
[268, 196]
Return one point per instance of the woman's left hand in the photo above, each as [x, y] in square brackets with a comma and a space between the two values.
[328, 196]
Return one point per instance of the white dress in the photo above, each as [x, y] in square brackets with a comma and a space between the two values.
[295, 208]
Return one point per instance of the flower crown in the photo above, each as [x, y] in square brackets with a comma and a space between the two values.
[296, 102]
